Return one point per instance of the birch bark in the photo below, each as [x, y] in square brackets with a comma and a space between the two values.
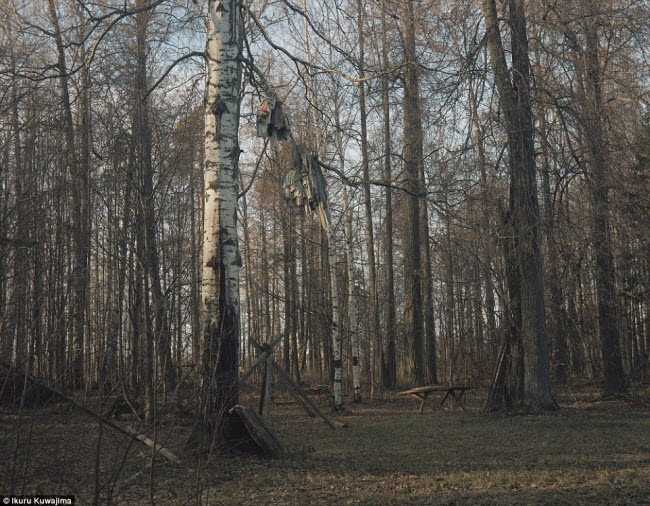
[331, 258]
[221, 260]
[336, 334]
[352, 307]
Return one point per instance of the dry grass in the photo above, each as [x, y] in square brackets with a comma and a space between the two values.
[586, 453]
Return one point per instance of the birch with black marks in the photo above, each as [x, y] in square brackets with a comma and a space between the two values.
[221, 260]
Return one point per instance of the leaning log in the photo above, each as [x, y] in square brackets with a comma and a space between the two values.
[267, 350]
[295, 389]
[259, 431]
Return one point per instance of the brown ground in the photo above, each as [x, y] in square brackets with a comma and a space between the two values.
[586, 453]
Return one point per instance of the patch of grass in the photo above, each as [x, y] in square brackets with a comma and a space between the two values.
[585, 453]
[575, 456]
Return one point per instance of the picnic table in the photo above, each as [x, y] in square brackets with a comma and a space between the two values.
[454, 392]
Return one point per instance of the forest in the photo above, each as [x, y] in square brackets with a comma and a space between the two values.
[241, 242]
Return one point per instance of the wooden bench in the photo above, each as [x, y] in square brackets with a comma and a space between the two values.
[454, 392]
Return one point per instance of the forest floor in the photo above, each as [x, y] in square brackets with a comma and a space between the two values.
[588, 452]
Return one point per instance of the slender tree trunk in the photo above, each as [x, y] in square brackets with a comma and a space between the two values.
[137, 326]
[148, 377]
[336, 333]
[557, 321]
[304, 315]
[16, 336]
[266, 287]
[83, 204]
[449, 297]
[38, 232]
[122, 232]
[287, 295]
[251, 317]
[352, 307]
[336, 363]
[79, 271]
[194, 274]
[151, 261]
[486, 259]
[370, 237]
[390, 363]
[427, 285]
[294, 302]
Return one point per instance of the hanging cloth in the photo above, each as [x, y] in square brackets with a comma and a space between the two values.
[305, 187]
[264, 112]
[272, 121]
[319, 192]
[294, 191]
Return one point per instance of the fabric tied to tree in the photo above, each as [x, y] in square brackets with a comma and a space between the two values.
[272, 122]
[304, 186]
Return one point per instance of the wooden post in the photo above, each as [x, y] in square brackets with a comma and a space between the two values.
[263, 390]
[268, 386]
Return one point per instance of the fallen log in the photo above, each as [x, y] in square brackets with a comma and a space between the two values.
[156, 447]
[82, 409]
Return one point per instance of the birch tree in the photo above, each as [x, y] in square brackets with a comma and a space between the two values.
[221, 260]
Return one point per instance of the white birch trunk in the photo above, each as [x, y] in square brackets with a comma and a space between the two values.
[352, 307]
[336, 334]
[347, 228]
[331, 255]
[221, 260]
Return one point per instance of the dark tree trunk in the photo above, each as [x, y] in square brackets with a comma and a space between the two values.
[413, 317]
[557, 323]
[151, 261]
[595, 140]
[79, 275]
[514, 95]
[389, 363]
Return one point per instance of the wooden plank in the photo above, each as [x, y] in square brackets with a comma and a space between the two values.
[436, 388]
[261, 358]
[296, 392]
[259, 431]
[456, 392]
[299, 393]
[156, 447]
[445, 397]
[459, 399]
